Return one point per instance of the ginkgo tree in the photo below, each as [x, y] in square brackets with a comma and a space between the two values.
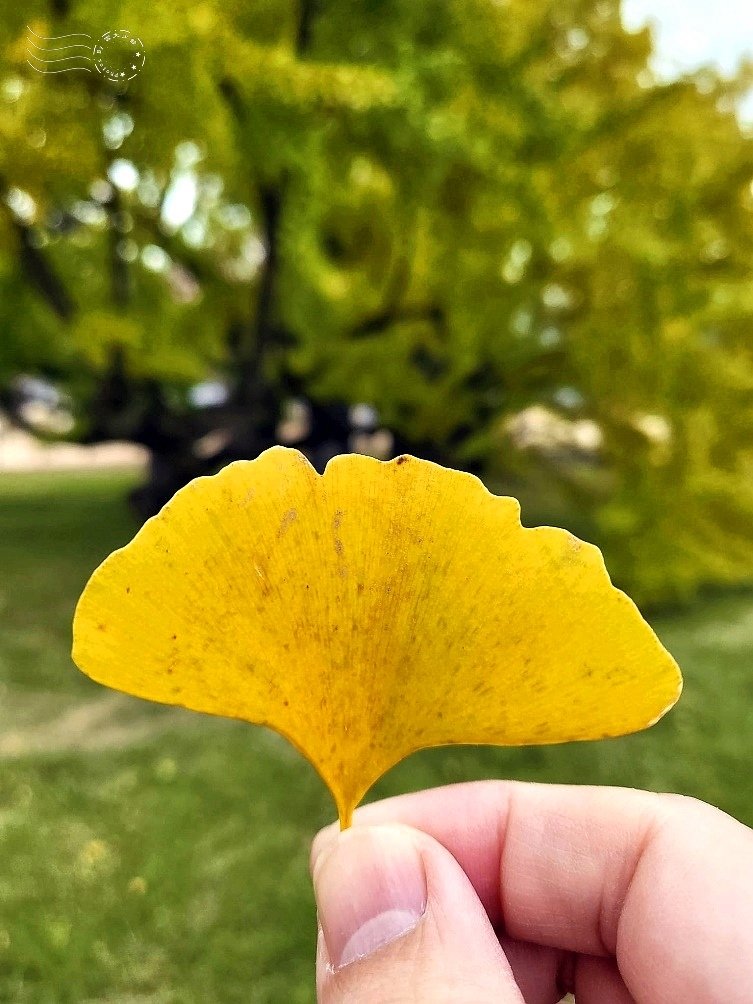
[452, 210]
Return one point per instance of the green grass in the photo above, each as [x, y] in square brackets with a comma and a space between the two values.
[167, 861]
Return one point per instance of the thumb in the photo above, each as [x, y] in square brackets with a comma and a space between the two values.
[400, 921]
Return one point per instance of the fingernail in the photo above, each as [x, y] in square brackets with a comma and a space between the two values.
[370, 888]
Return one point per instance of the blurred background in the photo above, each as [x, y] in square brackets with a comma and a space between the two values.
[510, 236]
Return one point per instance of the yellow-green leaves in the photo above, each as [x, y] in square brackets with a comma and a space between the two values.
[369, 612]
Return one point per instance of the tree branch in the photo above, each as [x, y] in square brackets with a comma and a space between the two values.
[119, 276]
[378, 323]
[41, 275]
[309, 10]
[254, 347]
[35, 266]
[10, 403]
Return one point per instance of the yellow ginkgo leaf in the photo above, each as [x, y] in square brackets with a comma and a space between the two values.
[374, 610]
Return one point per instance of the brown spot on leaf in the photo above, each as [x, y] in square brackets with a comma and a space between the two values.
[402, 460]
[360, 587]
[290, 517]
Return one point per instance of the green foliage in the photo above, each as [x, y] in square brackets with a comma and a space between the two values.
[471, 206]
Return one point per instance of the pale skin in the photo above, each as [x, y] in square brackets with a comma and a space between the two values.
[516, 893]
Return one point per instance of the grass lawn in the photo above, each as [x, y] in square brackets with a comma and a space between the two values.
[152, 855]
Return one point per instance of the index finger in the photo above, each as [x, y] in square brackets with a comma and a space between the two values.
[660, 882]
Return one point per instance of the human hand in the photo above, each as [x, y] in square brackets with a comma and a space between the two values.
[511, 892]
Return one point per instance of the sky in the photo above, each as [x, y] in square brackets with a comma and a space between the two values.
[690, 33]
